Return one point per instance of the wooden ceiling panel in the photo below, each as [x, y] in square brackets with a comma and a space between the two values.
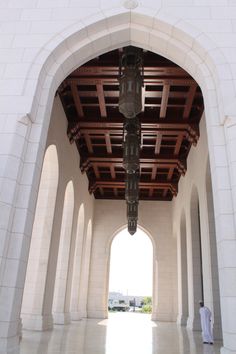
[172, 106]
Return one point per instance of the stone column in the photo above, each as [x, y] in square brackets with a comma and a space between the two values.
[85, 272]
[226, 233]
[61, 301]
[98, 280]
[182, 274]
[19, 177]
[38, 295]
[155, 290]
[194, 266]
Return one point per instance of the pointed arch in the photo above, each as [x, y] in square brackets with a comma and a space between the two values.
[134, 260]
[154, 269]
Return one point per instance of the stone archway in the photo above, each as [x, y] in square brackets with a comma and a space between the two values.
[154, 264]
[64, 53]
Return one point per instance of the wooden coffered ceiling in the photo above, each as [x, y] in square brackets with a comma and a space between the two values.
[172, 108]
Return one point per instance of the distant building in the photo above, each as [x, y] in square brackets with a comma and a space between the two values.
[130, 300]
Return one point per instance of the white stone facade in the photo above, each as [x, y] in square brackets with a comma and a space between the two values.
[41, 42]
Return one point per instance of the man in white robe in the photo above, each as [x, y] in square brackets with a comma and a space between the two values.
[205, 315]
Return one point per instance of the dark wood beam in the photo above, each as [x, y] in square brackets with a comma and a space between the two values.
[189, 100]
[173, 187]
[143, 97]
[164, 100]
[96, 171]
[178, 144]
[170, 173]
[158, 143]
[114, 71]
[165, 191]
[108, 143]
[161, 162]
[113, 173]
[150, 192]
[88, 143]
[101, 190]
[154, 172]
[76, 99]
[158, 197]
[145, 94]
[151, 81]
[101, 100]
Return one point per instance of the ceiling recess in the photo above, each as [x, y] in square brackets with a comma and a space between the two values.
[172, 106]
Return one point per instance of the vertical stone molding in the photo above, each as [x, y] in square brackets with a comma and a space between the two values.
[182, 273]
[85, 273]
[33, 313]
[226, 241]
[77, 265]
[15, 232]
[61, 301]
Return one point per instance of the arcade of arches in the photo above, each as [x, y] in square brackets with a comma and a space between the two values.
[68, 267]
[76, 198]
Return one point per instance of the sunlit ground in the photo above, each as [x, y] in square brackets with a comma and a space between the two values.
[122, 333]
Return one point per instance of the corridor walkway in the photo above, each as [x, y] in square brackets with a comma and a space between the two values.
[122, 333]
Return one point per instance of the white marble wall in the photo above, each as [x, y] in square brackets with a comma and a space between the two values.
[40, 43]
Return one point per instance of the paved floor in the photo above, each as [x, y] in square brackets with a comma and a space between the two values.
[122, 333]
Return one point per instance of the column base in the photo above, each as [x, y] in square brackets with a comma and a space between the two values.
[97, 314]
[20, 329]
[224, 350]
[75, 316]
[37, 322]
[182, 320]
[61, 318]
[154, 316]
[217, 332]
[10, 345]
[163, 317]
[194, 324]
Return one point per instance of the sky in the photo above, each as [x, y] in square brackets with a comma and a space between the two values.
[131, 264]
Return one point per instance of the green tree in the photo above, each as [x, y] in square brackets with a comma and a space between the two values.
[147, 304]
[147, 300]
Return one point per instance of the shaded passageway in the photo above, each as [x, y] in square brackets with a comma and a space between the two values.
[125, 333]
[71, 221]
